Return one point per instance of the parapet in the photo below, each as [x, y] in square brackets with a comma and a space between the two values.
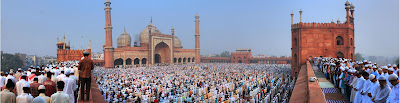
[319, 25]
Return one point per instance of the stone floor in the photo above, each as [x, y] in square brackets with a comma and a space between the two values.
[332, 94]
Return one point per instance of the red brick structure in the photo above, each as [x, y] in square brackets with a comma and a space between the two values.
[64, 53]
[322, 39]
[155, 47]
[244, 56]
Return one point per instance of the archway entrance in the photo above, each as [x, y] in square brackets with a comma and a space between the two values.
[136, 61]
[144, 61]
[339, 55]
[162, 53]
[128, 61]
[118, 62]
[240, 61]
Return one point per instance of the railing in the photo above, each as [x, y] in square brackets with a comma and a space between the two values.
[305, 91]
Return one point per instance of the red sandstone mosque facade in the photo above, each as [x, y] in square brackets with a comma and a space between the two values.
[245, 56]
[322, 39]
[155, 47]
[64, 52]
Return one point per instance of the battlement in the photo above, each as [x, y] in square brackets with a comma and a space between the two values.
[319, 25]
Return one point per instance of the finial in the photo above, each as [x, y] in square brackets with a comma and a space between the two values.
[338, 21]
[124, 30]
[173, 27]
[332, 21]
[151, 19]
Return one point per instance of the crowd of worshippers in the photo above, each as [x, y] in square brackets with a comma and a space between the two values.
[54, 83]
[197, 83]
[362, 81]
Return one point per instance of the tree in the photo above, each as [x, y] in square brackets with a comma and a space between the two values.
[225, 54]
[358, 57]
[9, 61]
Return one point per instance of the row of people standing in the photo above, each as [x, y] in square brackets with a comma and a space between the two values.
[361, 81]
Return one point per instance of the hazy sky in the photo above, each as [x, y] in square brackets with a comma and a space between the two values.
[32, 26]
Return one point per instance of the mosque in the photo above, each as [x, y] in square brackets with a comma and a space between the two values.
[153, 48]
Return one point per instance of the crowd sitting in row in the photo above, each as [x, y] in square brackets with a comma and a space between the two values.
[197, 83]
[362, 81]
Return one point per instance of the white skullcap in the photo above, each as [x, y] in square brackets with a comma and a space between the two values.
[27, 85]
[385, 67]
[379, 69]
[42, 87]
[369, 62]
[33, 70]
[341, 68]
[353, 71]
[374, 67]
[72, 71]
[391, 69]
[389, 65]
[392, 77]
[349, 70]
[394, 65]
[371, 76]
[365, 61]
[67, 72]
[23, 74]
[19, 69]
[381, 78]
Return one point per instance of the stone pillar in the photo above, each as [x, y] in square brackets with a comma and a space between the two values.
[301, 12]
[292, 17]
[124, 63]
[140, 62]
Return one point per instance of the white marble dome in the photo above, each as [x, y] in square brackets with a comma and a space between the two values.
[124, 40]
[144, 35]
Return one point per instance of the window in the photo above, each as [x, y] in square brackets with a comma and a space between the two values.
[351, 41]
[295, 41]
[339, 40]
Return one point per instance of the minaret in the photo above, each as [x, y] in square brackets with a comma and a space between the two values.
[90, 44]
[301, 12]
[292, 17]
[197, 36]
[347, 7]
[173, 44]
[108, 47]
[58, 39]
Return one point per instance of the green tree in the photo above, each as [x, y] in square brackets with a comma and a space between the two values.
[225, 54]
[9, 61]
[358, 57]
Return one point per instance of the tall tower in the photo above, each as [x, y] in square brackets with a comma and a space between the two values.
[108, 47]
[322, 40]
[197, 35]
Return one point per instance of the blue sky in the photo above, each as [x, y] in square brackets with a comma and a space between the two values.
[32, 26]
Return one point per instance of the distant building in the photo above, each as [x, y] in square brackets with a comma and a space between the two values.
[64, 53]
[244, 56]
[322, 39]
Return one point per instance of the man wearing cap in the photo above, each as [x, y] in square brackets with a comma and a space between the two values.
[70, 86]
[41, 77]
[373, 85]
[18, 74]
[359, 87]
[6, 96]
[61, 76]
[76, 81]
[60, 96]
[51, 86]
[34, 87]
[85, 66]
[42, 89]
[394, 95]
[33, 75]
[10, 76]
[25, 97]
[20, 84]
[381, 92]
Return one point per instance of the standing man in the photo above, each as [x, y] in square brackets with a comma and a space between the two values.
[25, 97]
[85, 66]
[70, 86]
[60, 96]
[7, 96]
[394, 95]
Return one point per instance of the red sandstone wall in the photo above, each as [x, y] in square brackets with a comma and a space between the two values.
[70, 55]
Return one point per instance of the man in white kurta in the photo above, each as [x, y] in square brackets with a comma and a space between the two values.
[373, 84]
[70, 86]
[20, 84]
[60, 96]
[359, 86]
[382, 91]
[394, 95]
[25, 97]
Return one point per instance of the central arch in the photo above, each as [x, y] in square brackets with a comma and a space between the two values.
[339, 55]
[162, 53]
[118, 62]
